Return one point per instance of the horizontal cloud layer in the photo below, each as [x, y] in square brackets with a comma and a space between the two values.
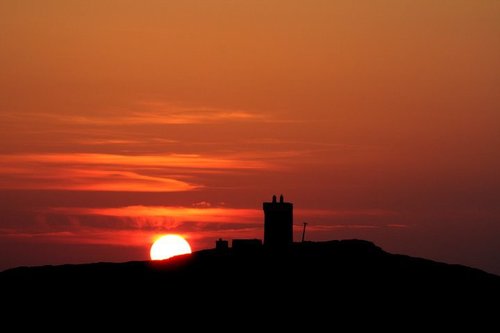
[113, 172]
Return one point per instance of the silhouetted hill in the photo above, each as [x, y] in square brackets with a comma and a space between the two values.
[312, 277]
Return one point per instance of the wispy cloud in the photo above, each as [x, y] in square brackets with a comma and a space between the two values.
[90, 180]
[167, 113]
[367, 212]
[96, 142]
[146, 113]
[319, 228]
[171, 214]
[165, 118]
[113, 172]
[192, 161]
[79, 235]
[138, 225]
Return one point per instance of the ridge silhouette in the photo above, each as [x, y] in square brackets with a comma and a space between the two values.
[312, 280]
[338, 261]
[274, 279]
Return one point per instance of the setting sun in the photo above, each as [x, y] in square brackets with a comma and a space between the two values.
[168, 246]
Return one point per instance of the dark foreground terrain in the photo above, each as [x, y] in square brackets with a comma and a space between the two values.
[312, 280]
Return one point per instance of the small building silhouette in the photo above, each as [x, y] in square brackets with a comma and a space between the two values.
[221, 244]
[278, 229]
[246, 244]
[278, 224]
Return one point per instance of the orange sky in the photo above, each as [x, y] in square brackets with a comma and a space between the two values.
[122, 120]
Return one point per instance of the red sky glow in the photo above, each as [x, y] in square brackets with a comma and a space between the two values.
[124, 120]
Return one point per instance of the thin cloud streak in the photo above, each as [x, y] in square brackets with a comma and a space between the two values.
[207, 214]
[191, 161]
[113, 172]
[139, 225]
[175, 214]
[161, 114]
[154, 118]
[345, 213]
[88, 236]
[98, 142]
[323, 227]
[60, 178]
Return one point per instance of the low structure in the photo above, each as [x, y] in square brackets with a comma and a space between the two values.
[246, 244]
[278, 229]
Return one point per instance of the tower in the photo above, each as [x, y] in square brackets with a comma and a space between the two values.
[278, 224]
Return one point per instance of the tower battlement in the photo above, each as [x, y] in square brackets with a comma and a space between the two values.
[278, 223]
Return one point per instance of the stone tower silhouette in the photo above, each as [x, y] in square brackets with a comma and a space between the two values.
[278, 224]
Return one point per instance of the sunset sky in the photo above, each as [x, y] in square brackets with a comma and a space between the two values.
[124, 120]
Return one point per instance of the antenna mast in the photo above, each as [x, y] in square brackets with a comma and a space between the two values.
[304, 232]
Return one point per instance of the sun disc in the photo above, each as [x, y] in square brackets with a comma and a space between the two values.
[168, 246]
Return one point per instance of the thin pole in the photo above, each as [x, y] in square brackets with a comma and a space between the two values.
[304, 232]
